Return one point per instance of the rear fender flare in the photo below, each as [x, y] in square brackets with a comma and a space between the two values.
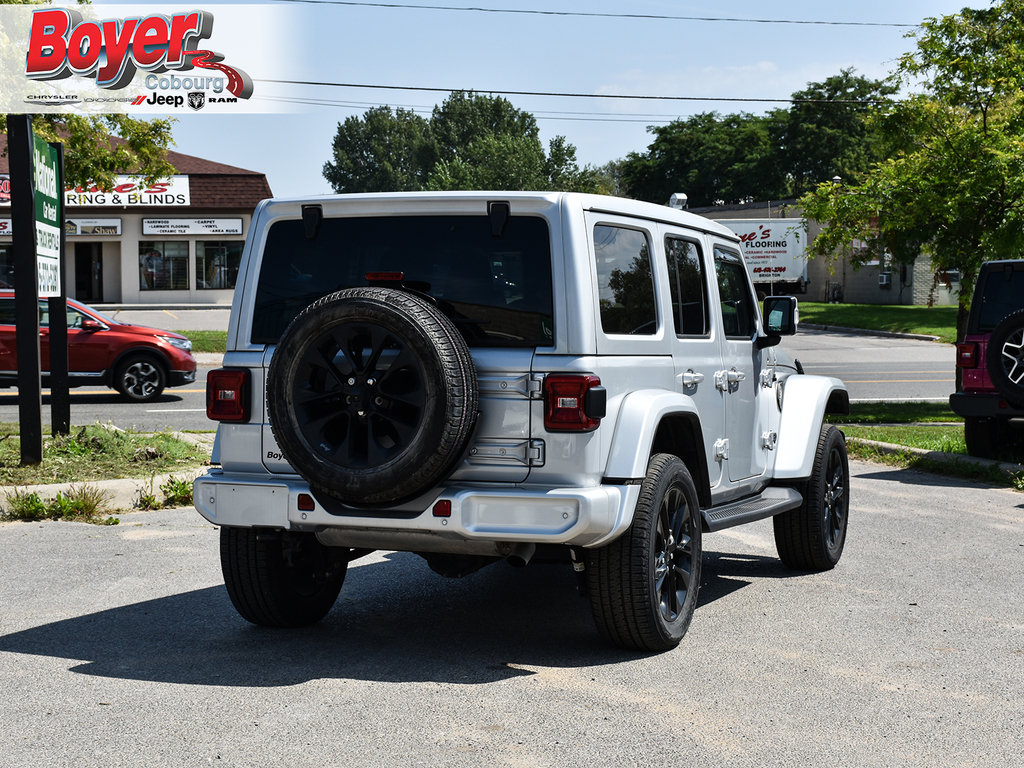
[640, 415]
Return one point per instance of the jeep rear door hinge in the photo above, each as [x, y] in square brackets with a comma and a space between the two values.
[535, 386]
[722, 449]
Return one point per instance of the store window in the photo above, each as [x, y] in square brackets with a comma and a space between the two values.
[217, 263]
[163, 265]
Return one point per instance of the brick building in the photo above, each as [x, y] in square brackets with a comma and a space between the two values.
[176, 243]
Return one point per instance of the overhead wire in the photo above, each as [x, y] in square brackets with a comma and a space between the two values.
[602, 15]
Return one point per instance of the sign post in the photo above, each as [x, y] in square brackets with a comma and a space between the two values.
[37, 216]
[60, 391]
[26, 289]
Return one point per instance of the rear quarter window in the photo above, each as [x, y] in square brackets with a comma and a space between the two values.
[496, 289]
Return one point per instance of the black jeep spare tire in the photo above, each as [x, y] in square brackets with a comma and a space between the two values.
[372, 395]
[1005, 358]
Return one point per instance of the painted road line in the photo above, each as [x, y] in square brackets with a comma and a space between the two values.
[898, 381]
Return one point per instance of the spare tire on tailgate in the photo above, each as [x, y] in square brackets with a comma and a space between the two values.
[372, 395]
[1006, 358]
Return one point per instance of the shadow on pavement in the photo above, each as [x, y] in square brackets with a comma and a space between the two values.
[394, 622]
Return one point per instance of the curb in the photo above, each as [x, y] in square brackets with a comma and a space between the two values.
[938, 456]
[866, 332]
[123, 492]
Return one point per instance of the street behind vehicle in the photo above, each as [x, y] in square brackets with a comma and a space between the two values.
[138, 362]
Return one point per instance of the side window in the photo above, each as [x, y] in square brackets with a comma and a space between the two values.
[625, 281]
[687, 285]
[6, 311]
[74, 318]
[738, 308]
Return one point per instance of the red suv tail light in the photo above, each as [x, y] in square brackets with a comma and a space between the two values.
[966, 355]
[573, 402]
[227, 394]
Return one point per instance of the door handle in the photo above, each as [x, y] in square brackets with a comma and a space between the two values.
[690, 378]
[735, 377]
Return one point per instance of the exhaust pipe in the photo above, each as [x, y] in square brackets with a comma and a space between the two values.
[519, 554]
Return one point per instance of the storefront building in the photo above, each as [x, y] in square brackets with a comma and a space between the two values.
[177, 242]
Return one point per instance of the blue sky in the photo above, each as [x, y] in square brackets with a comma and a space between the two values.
[497, 52]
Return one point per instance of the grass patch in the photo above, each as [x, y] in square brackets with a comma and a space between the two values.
[83, 503]
[96, 452]
[954, 468]
[895, 413]
[176, 491]
[947, 439]
[207, 341]
[932, 321]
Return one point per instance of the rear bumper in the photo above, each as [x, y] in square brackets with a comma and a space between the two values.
[979, 405]
[585, 517]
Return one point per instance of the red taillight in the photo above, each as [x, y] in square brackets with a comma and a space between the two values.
[385, 277]
[227, 394]
[573, 402]
[966, 355]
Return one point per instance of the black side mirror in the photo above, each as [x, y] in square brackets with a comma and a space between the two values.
[781, 316]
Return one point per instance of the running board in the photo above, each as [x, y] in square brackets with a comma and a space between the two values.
[768, 503]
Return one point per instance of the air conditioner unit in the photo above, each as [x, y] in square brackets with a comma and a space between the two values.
[884, 279]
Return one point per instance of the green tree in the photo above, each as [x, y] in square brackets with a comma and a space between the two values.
[382, 150]
[827, 131]
[471, 141]
[92, 157]
[952, 185]
[710, 157]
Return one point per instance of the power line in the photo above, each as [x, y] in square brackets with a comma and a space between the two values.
[589, 117]
[571, 95]
[594, 14]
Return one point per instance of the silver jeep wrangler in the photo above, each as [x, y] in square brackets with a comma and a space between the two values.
[493, 375]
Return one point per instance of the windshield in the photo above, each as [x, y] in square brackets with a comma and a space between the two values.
[496, 289]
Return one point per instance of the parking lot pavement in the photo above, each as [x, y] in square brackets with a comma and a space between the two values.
[119, 647]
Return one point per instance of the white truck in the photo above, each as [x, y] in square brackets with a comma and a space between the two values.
[775, 251]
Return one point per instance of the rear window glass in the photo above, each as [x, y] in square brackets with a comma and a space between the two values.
[496, 289]
[1001, 295]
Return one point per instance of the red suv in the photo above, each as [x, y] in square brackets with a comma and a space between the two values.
[991, 362]
[138, 362]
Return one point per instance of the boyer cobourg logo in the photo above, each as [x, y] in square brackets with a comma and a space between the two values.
[113, 51]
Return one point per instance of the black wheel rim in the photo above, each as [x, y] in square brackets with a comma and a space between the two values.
[1012, 357]
[360, 395]
[675, 554]
[835, 499]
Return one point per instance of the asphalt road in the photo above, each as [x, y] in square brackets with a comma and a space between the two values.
[119, 647]
[879, 367]
[178, 408]
[873, 368]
